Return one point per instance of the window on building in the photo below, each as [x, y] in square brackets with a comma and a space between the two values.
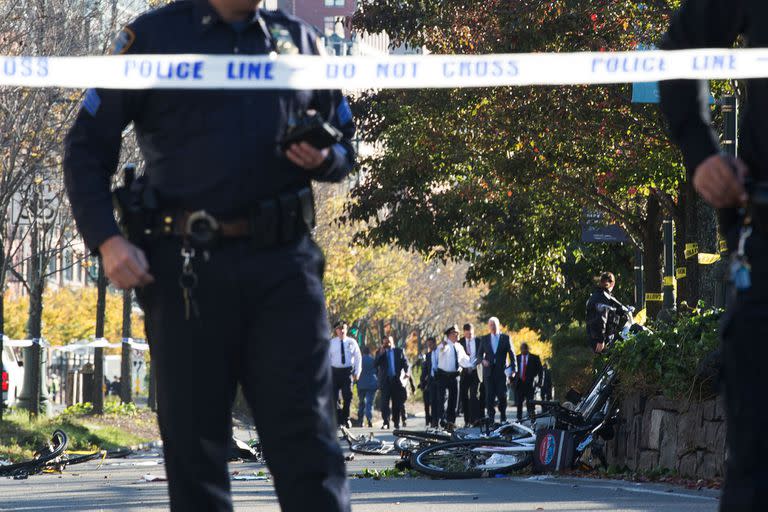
[68, 265]
[334, 3]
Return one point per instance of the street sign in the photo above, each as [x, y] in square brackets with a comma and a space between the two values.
[595, 228]
[648, 92]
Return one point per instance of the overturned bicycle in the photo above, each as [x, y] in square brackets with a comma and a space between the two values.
[567, 434]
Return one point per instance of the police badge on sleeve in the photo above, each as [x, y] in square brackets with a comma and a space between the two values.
[123, 41]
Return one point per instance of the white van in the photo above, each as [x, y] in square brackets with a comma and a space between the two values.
[12, 376]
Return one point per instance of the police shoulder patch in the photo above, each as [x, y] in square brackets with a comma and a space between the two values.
[123, 41]
[343, 112]
[91, 102]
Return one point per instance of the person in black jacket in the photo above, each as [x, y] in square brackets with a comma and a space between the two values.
[545, 383]
[225, 248]
[602, 313]
[391, 362]
[529, 370]
[720, 181]
[426, 381]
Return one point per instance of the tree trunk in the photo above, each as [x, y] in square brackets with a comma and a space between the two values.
[29, 397]
[689, 286]
[152, 393]
[711, 276]
[98, 353]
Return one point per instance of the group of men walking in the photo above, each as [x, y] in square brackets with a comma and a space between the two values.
[468, 376]
[473, 374]
[387, 372]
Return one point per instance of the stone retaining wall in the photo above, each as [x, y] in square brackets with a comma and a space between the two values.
[688, 437]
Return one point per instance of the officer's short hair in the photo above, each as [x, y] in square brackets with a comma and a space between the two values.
[468, 327]
[431, 338]
[340, 324]
[607, 277]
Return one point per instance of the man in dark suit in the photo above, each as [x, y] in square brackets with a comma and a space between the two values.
[471, 394]
[528, 370]
[546, 383]
[495, 350]
[391, 362]
[426, 384]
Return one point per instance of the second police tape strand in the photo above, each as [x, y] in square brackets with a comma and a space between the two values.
[379, 72]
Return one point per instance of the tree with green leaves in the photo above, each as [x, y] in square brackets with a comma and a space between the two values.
[502, 176]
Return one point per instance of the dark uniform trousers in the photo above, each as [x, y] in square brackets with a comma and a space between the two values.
[392, 392]
[342, 383]
[745, 356]
[524, 393]
[496, 390]
[472, 396]
[445, 383]
[244, 293]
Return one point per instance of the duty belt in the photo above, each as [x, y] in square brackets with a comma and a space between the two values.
[269, 223]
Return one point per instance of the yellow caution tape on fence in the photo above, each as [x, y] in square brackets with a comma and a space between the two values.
[654, 297]
[681, 273]
[691, 250]
[708, 259]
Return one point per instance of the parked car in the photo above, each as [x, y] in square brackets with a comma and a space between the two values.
[12, 376]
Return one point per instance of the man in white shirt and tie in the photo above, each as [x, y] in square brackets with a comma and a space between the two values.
[346, 365]
[471, 393]
[447, 360]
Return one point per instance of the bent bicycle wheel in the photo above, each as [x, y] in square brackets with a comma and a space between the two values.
[373, 447]
[418, 435]
[513, 432]
[408, 445]
[472, 459]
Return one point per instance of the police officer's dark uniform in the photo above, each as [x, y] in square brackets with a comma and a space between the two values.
[218, 151]
[708, 24]
[602, 317]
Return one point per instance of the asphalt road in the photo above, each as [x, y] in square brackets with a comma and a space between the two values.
[119, 485]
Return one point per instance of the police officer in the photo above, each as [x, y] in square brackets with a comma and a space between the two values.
[602, 319]
[227, 255]
[720, 181]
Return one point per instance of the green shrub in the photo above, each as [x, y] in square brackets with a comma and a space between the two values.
[120, 409]
[668, 360]
[82, 409]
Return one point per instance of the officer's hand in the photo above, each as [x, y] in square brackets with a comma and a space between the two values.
[306, 155]
[125, 264]
[718, 185]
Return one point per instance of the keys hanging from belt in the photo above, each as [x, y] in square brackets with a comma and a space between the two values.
[188, 281]
[741, 270]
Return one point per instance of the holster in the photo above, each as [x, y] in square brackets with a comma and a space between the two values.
[136, 204]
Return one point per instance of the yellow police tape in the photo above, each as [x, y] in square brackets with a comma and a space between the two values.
[691, 250]
[654, 297]
[379, 72]
[681, 273]
[708, 259]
